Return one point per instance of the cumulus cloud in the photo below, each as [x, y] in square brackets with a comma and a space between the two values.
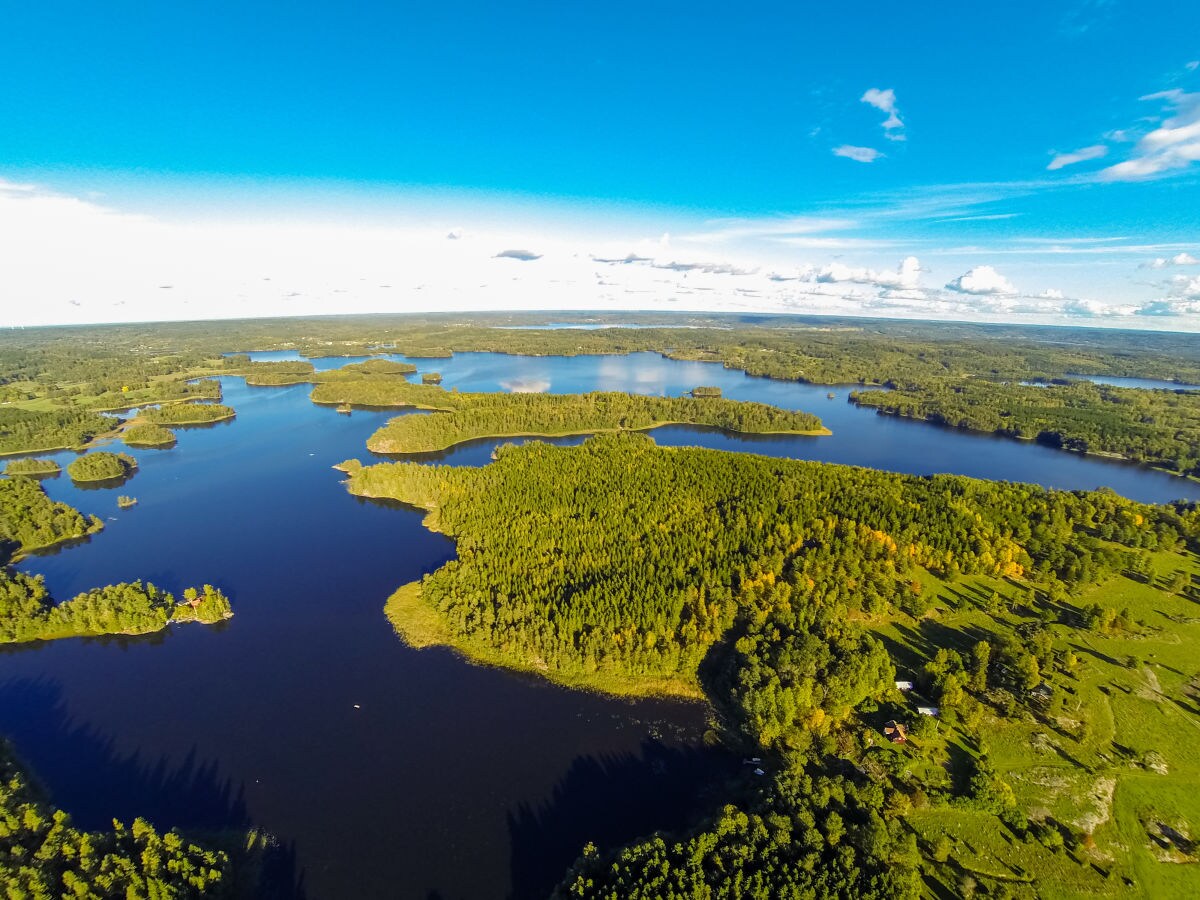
[1173, 145]
[1083, 154]
[1179, 259]
[522, 255]
[885, 101]
[1170, 308]
[1186, 286]
[1091, 309]
[906, 277]
[1052, 294]
[981, 280]
[858, 154]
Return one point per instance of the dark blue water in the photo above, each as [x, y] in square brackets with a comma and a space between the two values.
[447, 778]
[467, 781]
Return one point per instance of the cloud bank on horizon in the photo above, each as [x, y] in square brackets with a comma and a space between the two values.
[139, 267]
[485, 161]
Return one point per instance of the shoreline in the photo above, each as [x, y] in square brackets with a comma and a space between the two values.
[375, 448]
[1097, 454]
[103, 634]
[420, 627]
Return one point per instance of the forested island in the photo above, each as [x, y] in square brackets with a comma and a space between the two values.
[148, 434]
[1158, 427]
[29, 520]
[28, 613]
[1052, 633]
[35, 468]
[188, 414]
[101, 465]
[464, 416]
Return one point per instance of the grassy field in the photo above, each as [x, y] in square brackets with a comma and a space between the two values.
[1110, 761]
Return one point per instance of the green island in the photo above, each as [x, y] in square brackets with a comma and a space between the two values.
[29, 520]
[28, 613]
[431, 378]
[706, 391]
[126, 502]
[188, 414]
[101, 465]
[467, 416]
[148, 434]
[1052, 635]
[1157, 427]
[274, 374]
[34, 468]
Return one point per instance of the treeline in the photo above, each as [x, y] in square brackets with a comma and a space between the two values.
[30, 520]
[28, 613]
[101, 465]
[467, 416]
[1158, 427]
[43, 854]
[188, 414]
[23, 430]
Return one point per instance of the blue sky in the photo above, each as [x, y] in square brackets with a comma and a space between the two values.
[1039, 161]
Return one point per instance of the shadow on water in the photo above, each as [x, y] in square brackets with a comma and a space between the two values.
[610, 801]
[78, 761]
[105, 484]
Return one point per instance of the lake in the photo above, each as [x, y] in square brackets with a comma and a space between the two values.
[389, 772]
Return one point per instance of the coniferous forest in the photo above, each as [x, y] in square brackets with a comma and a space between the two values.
[1159, 427]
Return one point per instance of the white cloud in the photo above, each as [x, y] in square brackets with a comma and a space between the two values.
[904, 294]
[1170, 308]
[981, 280]
[1081, 155]
[1186, 286]
[1193, 65]
[519, 255]
[906, 277]
[72, 260]
[1093, 309]
[885, 101]
[858, 154]
[1052, 294]
[1173, 145]
[1179, 259]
